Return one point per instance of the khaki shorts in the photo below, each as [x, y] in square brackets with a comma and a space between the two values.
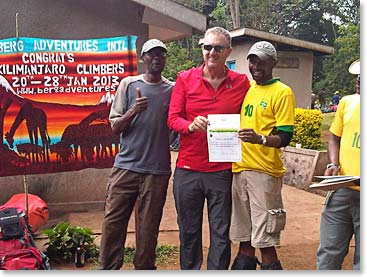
[257, 209]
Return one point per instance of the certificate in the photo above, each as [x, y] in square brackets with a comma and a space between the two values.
[223, 142]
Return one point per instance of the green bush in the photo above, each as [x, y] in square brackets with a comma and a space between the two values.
[307, 129]
[64, 239]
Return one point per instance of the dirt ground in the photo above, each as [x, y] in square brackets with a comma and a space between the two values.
[299, 240]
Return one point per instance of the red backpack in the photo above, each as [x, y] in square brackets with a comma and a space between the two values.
[17, 247]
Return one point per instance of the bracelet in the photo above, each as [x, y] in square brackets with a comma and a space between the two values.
[263, 139]
[330, 165]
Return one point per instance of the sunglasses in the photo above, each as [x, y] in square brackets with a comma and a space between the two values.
[217, 48]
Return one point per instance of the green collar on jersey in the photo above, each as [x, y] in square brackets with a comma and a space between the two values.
[271, 81]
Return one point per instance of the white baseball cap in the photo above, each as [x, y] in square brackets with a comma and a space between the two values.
[152, 43]
[263, 49]
[355, 67]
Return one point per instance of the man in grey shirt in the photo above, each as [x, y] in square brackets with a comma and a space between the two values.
[142, 169]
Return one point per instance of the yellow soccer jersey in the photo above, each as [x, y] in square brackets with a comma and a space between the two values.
[346, 125]
[265, 107]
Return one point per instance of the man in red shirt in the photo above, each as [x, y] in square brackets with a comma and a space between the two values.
[209, 89]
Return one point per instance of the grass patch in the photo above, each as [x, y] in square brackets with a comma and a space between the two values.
[129, 255]
[326, 121]
[165, 254]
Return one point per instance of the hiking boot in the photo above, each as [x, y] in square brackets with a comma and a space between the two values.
[244, 262]
[274, 266]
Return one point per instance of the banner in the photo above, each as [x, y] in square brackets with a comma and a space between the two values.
[55, 97]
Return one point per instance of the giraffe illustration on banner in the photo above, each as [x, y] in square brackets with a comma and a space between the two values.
[35, 119]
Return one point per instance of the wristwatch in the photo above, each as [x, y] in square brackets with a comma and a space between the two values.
[330, 165]
[263, 139]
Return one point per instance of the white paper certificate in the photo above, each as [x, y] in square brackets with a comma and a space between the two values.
[223, 142]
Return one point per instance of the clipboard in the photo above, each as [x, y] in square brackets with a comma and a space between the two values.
[335, 182]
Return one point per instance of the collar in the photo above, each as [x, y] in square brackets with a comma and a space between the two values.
[271, 81]
[199, 72]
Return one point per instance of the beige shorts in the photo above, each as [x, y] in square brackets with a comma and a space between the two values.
[257, 209]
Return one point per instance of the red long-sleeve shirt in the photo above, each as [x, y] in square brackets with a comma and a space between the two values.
[192, 95]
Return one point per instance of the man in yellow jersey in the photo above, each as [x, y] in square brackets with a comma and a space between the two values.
[340, 215]
[267, 121]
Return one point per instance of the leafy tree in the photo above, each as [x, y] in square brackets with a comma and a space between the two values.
[335, 74]
[311, 20]
[305, 19]
[348, 11]
[219, 16]
[233, 14]
[182, 55]
[259, 15]
[320, 21]
[234, 8]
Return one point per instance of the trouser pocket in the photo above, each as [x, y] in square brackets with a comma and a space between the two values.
[328, 197]
[276, 220]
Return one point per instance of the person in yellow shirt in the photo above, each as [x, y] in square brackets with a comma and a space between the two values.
[267, 121]
[340, 218]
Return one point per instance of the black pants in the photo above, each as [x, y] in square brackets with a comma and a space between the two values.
[190, 190]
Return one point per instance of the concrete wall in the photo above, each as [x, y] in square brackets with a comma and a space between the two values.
[82, 190]
[294, 69]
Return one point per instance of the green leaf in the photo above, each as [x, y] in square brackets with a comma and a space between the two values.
[64, 239]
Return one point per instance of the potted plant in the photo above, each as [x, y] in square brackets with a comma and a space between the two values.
[64, 240]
